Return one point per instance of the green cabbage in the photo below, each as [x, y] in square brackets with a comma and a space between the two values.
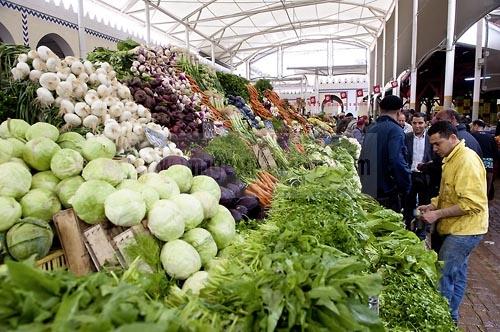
[125, 207]
[38, 153]
[15, 181]
[10, 210]
[181, 175]
[191, 209]
[222, 227]
[29, 237]
[196, 282]
[88, 201]
[149, 195]
[14, 128]
[129, 171]
[67, 188]
[40, 204]
[45, 180]
[6, 151]
[108, 170]
[17, 147]
[98, 147]
[203, 242]
[66, 163]
[42, 129]
[20, 162]
[71, 140]
[165, 187]
[165, 220]
[180, 259]
[208, 202]
[206, 183]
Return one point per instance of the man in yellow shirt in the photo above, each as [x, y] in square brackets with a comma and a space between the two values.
[460, 209]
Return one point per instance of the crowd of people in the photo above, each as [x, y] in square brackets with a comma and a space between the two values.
[439, 176]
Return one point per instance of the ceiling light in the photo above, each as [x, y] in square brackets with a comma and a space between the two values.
[472, 78]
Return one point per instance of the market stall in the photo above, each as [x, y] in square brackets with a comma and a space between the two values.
[158, 194]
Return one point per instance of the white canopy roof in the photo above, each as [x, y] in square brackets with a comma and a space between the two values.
[244, 29]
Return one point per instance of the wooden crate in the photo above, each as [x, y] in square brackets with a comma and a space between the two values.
[54, 261]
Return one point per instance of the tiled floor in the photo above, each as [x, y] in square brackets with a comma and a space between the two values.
[480, 310]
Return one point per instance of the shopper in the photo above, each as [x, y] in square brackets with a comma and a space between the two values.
[419, 151]
[407, 128]
[454, 118]
[346, 120]
[359, 132]
[382, 167]
[497, 129]
[460, 209]
[490, 152]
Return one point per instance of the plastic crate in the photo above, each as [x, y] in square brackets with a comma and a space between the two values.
[54, 261]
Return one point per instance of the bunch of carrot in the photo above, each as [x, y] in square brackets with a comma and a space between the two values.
[286, 114]
[263, 188]
[256, 104]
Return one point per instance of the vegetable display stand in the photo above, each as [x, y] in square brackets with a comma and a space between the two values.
[264, 157]
[54, 261]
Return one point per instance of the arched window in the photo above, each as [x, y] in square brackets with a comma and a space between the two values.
[57, 44]
[5, 36]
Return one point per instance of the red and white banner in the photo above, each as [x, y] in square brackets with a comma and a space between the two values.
[394, 84]
[312, 100]
[343, 95]
[359, 92]
[376, 88]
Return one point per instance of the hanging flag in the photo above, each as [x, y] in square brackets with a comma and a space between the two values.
[343, 95]
[312, 100]
[394, 84]
[359, 92]
[376, 88]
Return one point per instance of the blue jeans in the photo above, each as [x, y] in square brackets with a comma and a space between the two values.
[455, 253]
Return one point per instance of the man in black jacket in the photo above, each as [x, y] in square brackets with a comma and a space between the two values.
[490, 151]
[382, 166]
[419, 152]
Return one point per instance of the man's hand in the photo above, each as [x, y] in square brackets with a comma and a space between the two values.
[426, 208]
[430, 216]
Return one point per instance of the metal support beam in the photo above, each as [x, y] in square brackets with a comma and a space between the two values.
[247, 69]
[477, 70]
[212, 51]
[368, 70]
[280, 62]
[81, 31]
[413, 75]
[148, 23]
[316, 91]
[382, 84]
[186, 27]
[396, 90]
[450, 55]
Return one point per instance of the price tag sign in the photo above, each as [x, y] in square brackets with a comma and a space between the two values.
[156, 138]
[208, 129]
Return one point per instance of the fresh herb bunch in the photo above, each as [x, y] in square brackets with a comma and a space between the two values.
[261, 86]
[232, 150]
[121, 60]
[233, 85]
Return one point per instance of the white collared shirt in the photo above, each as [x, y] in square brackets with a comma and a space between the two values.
[418, 151]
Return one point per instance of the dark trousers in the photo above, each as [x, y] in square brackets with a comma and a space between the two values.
[420, 188]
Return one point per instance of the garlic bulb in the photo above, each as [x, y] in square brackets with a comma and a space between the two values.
[57, 102]
[139, 162]
[39, 64]
[152, 167]
[72, 120]
[44, 52]
[93, 78]
[53, 64]
[91, 97]
[112, 130]
[17, 74]
[35, 75]
[124, 92]
[103, 79]
[24, 68]
[79, 89]
[116, 110]
[63, 73]
[89, 67]
[32, 54]
[50, 81]
[77, 68]
[91, 121]
[44, 97]
[125, 116]
[64, 89]
[98, 108]
[141, 169]
[82, 109]
[103, 91]
[66, 106]
[83, 77]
